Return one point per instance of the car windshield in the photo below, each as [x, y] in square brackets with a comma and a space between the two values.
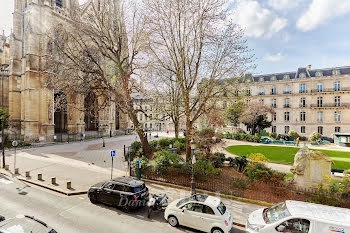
[222, 208]
[276, 213]
[138, 189]
[183, 201]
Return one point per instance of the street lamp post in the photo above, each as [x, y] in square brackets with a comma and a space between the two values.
[193, 184]
[3, 73]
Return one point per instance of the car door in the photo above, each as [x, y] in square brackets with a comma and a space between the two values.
[105, 193]
[191, 215]
[208, 218]
[294, 225]
[116, 195]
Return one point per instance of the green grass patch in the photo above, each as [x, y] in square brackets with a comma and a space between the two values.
[285, 155]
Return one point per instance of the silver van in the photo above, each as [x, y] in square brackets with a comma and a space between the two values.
[299, 217]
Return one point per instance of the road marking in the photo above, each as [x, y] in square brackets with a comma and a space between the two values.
[4, 181]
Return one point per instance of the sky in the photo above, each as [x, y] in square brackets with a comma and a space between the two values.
[283, 34]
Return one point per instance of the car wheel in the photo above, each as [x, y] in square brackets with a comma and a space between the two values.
[93, 198]
[217, 230]
[172, 220]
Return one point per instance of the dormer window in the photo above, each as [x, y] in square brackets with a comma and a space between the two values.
[336, 72]
[59, 3]
[273, 78]
[302, 75]
[286, 76]
[261, 79]
[319, 74]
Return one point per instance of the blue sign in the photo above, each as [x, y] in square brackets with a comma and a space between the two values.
[112, 153]
[138, 161]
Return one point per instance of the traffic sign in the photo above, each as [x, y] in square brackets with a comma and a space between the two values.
[138, 161]
[112, 153]
[14, 143]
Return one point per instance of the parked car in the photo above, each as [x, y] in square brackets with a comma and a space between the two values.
[2, 218]
[201, 212]
[327, 139]
[297, 216]
[126, 192]
[25, 224]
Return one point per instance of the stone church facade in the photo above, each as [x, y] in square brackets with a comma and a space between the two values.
[31, 105]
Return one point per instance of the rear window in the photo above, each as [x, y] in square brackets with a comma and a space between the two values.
[139, 188]
[222, 208]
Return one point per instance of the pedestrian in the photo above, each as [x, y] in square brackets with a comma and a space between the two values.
[298, 140]
[167, 132]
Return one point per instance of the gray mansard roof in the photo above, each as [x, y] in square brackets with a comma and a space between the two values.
[308, 73]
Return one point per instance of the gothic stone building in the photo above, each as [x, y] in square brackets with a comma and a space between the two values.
[30, 104]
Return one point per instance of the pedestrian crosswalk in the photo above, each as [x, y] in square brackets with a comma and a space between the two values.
[5, 181]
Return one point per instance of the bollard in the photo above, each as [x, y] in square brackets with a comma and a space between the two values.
[27, 174]
[53, 180]
[16, 170]
[7, 167]
[40, 176]
[69, 184]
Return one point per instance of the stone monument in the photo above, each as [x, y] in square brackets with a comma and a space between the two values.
[310, 168]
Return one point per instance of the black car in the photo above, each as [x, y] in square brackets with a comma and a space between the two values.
[2, 218]
[125, 192]
[327, 139]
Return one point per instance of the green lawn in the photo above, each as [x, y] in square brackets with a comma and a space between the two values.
[286, 154]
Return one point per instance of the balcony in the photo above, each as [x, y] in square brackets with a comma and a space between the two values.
[287, 92]
[273, 93]
[261, 93]
[324, 90]
[302, 91]
[330, 105]
[273, 105]
[286, 106]
[303, 105]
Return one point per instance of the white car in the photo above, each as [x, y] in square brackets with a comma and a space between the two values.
[201, 212]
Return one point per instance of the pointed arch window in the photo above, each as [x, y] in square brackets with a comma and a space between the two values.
[59, 3]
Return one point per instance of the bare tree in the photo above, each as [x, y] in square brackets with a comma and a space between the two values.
[98, 54]
[196, 43]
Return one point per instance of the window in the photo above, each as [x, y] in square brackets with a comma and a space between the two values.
[221, 208]
[273, 129]
[273, 91]
[59, 3]
[337, 101]
[248, 91]
[261, 91]
[319, 101]
[302, 75]
[303, 102]
[302, 88]
[276, 213]
[145, 125]
[287, 103]
[261, 79]
[108, 185]
[286, 116]
[286, 89]
[320, 130]
[320, 116]
[336, 72]
[150, 125]
[294, 225]
[337, 86]
[286, 76]
[208, 210]
[337, 116]
[194, 207]
[286, 129]
[319, 74]
[319, 87]
[302, 129]
[273, 103]
[337, 129]
[261, 101]
[274, 117]
[302, 116]
[273, 78]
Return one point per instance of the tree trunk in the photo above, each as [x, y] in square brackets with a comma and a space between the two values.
[143, 137]
[188, 138]
[176, 126]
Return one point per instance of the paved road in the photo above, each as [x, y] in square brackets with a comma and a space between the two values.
[76, 214]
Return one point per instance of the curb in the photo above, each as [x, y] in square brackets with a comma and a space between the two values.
[53, 189]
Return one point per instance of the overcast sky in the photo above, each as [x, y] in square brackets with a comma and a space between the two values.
[285, 34]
